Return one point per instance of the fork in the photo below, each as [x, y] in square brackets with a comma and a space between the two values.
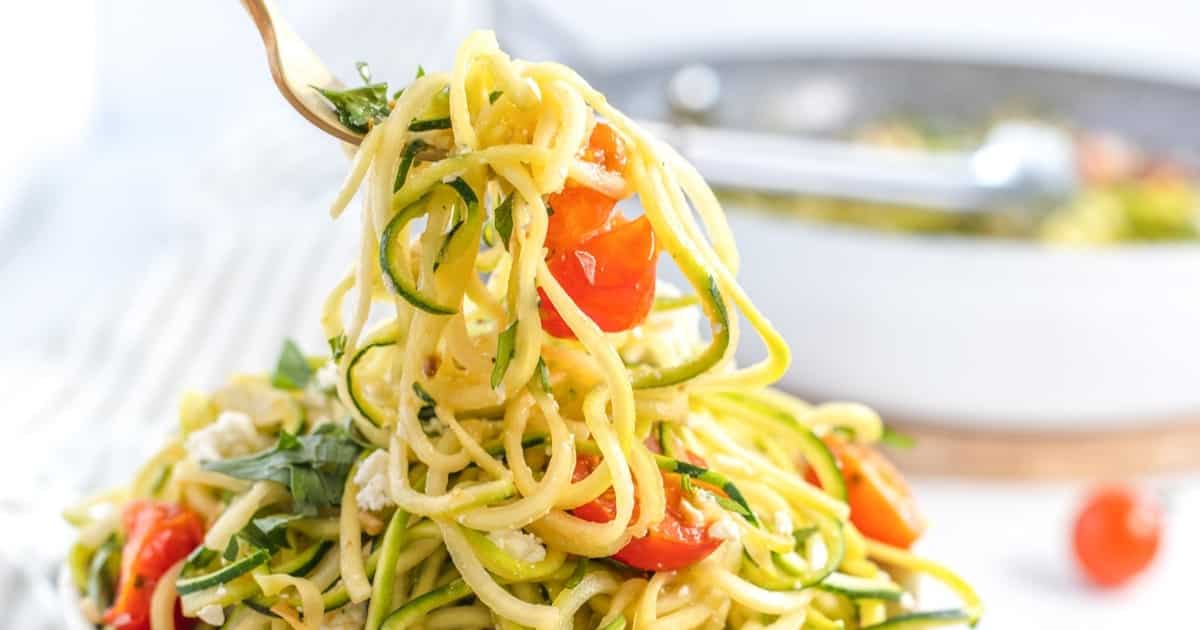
[297, 70]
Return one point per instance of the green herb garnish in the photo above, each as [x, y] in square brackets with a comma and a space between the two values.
[337, 346]
[429, 124]
[503, 219]
[364, 71]
[314, 467]
[406, 161]
[358, 108]
[292, 370]
[505, 347]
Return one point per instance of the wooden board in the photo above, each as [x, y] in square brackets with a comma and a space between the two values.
[1172, 446]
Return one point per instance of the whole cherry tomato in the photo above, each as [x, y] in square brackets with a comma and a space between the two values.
[1116, 534]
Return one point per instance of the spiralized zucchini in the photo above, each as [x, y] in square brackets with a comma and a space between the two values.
[446, 498]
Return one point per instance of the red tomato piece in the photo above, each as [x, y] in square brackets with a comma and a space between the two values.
[611, 276]
[1117, 534]
[605, 148]
[674, 543]
[578, 213]
[882, 506]
[157, 535]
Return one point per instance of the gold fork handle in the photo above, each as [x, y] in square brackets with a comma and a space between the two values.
[297, 70]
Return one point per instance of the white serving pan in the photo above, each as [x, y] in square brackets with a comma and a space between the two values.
[961, 332]
[980, 333]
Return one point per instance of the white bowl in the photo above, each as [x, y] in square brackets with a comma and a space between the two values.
[979, 333]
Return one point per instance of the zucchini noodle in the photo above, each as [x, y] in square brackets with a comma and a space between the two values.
[430, 472]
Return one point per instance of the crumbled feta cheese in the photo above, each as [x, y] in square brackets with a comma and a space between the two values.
[520, 545]
[371, 480]
[326, 377]
[232, 434]
[723, 529]
[212, 615]
[351, 617]
[692, 515]
[783, 523]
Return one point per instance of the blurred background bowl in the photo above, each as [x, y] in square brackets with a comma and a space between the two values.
[961, 331]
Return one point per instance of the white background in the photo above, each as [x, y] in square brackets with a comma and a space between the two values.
[126, 131]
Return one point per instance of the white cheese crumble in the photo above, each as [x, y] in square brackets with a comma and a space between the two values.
[326, 377]
[783, 523]
[212, 615]
[371, 480]
[723, 529]
[692, 515]
[520, 545]
[232, 434]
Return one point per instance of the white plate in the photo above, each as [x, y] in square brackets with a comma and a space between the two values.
[979, 333]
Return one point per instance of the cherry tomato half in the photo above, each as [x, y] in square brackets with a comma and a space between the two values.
[611, 276]
[604, 262]
[579, 212]
[605, 148]
[882, 506]
[672, 544]
[1116, 534]
[157, 535]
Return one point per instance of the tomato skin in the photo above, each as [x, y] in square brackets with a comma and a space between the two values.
[882, 506]
[157, 535]
[605, 148]
[611, 277]
[578, 213]
[604, 262]
[670, 545]
[1116, 535]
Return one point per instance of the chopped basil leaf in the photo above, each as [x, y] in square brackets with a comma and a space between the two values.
[495, 96]
[337, 346]
[505, 347]
[420, 71]
[314, 467]
[504, 219]
[358, 107]
[423, 394]
[427, 415]
[364, 71]
[406, 161]
[733, 506]
[270, 532]
[896, 439]
[429, 124]
[291, 370]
